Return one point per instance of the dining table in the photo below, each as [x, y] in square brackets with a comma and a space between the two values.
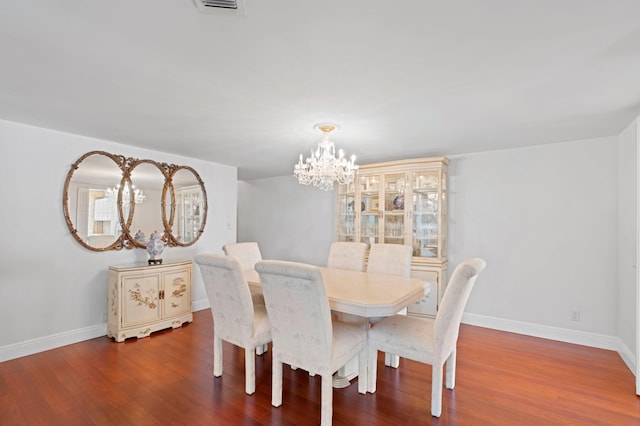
[359, 295]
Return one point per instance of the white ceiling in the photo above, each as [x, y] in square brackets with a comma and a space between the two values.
[402, 79]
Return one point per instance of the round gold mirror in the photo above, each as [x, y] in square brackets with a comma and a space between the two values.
[90, 200]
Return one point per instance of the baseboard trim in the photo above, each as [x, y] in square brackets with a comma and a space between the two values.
[199, 305]
[627, 356]
[33, 346]
[577, 337]
[544, 331]
[30, 347]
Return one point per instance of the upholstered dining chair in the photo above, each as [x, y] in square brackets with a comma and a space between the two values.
[390, 259]
[347, 255]
[304, 334]
[430, 341]
[247, 255]
[235, 317]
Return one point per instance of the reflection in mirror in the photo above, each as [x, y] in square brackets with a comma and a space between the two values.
[189, 214]
[92, 198]
[147, 183]
[124, 195]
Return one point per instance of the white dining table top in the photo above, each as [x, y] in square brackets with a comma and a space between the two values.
[362, 293]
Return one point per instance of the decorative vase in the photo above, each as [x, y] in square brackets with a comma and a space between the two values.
[155, 246]
[139, 237]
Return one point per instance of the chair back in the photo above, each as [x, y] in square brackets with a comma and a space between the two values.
[390, 259]
[247, 254]
[347, 255]
[447, 323]
[229, 297]
[299, 313]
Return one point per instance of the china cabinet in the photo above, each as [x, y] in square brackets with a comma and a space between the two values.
[401, 202]
[146, 298]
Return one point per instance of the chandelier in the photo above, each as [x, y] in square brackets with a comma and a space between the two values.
[139, 197]
[322, 169]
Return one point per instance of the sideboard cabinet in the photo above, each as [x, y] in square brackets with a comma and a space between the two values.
[146, 298]
[401, 202]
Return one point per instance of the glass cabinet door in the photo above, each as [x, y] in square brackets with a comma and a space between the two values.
[346, 222]
[394, 211]
[426, 214]
[370, 209]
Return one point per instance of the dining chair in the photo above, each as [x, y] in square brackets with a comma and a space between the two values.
[236, 319]
[426, 340]
[247, 255]
[304, 334]
[347, 255]
[390, 259]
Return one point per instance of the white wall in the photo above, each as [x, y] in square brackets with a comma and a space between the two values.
[52, 289]
[544, 218]
[289, 221]
[627, 234]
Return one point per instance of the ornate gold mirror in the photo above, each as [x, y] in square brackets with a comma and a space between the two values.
[108, 199]
[189, 206]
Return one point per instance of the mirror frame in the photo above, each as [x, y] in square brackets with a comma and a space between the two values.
[170, 190]
[126, 239]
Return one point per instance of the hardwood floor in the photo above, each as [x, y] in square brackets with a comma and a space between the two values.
[503, 379]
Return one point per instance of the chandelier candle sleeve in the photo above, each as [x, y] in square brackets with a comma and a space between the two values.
[322, 168]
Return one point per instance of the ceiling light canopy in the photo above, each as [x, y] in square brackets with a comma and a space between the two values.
[322, 168]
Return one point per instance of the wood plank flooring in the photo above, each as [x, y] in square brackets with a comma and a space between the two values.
[166, 379]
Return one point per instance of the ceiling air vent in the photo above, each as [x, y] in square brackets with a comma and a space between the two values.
[233, 7]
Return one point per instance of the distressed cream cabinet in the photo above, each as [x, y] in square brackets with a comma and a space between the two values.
[401, 202]
[146, 298]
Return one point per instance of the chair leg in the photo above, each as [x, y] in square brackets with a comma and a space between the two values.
[261, 349]
[372, 368]
[436, 390]
[327, 400]
[391, 360]
[450, 371]
[249, 371]
[276, 382]
[362, 371]
[217, 356]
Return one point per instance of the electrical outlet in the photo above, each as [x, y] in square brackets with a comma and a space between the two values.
[574, 315]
